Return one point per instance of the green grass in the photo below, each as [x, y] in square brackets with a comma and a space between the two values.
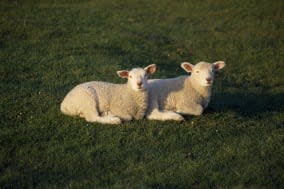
[47, 47]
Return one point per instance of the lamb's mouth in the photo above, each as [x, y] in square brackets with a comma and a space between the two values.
[140, 88]
[207, 84]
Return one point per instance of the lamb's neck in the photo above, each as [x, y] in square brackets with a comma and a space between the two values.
[136, 94]
[139, 100]
[204, 91]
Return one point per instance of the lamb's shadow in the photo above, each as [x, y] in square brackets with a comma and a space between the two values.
[247, 104]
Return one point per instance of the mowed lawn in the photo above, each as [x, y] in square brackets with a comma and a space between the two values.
[48, 46]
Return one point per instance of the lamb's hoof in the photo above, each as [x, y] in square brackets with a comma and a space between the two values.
[179, 118]
[114, 120]
[176, 117]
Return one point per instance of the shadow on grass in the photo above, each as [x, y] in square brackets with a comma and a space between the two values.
[247, 104]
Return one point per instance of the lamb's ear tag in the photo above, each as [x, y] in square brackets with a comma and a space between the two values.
[219, 65]
[150, 69]
[123, 73]
[187, 67]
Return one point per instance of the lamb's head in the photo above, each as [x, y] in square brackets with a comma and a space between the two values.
[203, 72]
[137, 77]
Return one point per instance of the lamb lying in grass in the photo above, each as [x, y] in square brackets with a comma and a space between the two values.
[110, 103]
[169, 98]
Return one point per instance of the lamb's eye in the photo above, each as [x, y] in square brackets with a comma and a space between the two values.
[197, 71]
[130, 76]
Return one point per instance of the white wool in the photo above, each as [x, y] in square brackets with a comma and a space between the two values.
[168, 98]
[110, 103]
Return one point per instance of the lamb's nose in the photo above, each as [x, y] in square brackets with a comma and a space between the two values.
[208, 79]
[139, 83]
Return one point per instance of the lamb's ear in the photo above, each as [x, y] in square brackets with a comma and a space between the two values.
[150, 69]
[187, 67]
[219, 65]
[123, 73]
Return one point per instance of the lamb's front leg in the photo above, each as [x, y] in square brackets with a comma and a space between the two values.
[164, 115]
[153, 113]
[194, 109]
[123, 117]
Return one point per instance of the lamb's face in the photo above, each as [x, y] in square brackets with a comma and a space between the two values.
[137, 77]
[203, 72]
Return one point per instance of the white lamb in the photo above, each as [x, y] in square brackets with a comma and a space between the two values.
[109, 103]
[169, 98]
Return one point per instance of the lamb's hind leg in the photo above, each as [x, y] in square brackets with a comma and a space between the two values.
[194, 109]
[90, 110]
[108, 118]
[104, 119]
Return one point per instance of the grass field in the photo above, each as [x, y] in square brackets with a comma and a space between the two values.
[48, 46]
